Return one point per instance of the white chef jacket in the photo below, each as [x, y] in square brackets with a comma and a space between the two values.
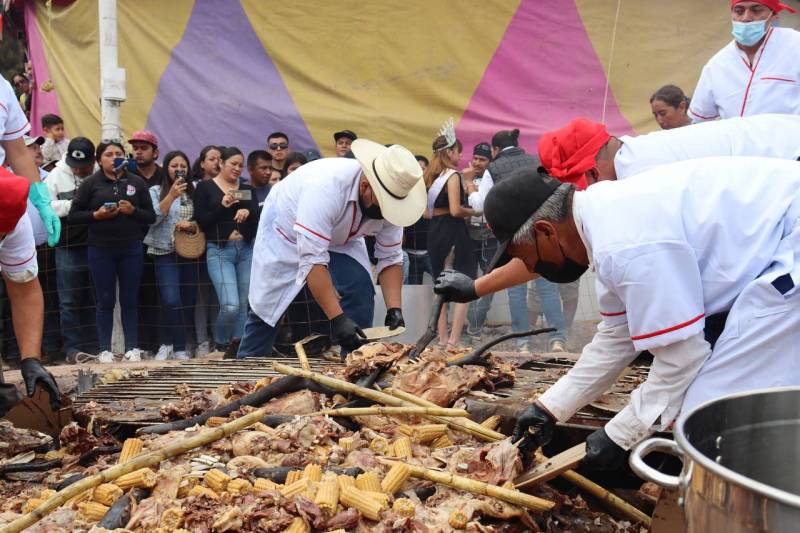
[18, 251]
[670, 246]
[767, 135]
[13, 122]
[730, 87]
[312, 211]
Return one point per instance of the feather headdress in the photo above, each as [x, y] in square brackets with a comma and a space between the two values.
[448, 131]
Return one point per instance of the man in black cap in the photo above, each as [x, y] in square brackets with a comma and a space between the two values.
[696, 262]
[343, 140]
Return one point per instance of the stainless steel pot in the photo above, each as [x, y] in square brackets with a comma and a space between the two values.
[741, 463]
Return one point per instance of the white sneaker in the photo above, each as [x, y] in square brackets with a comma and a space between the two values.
[203, 349]
[105, 357]
[164, 352]
[181, 354]
[557, 346]
[133, 356]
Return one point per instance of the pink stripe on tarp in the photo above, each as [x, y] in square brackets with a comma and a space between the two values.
[43, 102]
[544, 73]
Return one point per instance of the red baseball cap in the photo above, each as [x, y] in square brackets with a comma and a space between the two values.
[774, 5]
[145, 136]
[13, 200]
[567, 153]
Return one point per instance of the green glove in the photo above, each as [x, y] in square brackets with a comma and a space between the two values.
[40, 197]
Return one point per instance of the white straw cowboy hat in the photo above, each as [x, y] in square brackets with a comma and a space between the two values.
[396, 179]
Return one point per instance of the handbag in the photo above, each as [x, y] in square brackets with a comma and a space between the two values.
[189, 245]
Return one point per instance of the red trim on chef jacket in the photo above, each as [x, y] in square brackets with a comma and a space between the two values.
[389, 245]
[20, 263]
[284, 236]
[352, 225]
[777, 79]
[668, 330]
[321, 236]
[613, 314]
[753, 71]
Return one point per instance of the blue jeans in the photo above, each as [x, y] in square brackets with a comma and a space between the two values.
[417, 266]
[75, 301]
[517, 296]
[229, 270]
[177, 284]
[350, 279]
[550, 301]
[108, 266]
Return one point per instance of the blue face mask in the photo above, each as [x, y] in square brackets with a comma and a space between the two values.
[749, 33]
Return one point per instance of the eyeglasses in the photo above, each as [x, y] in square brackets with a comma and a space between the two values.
[279, 146]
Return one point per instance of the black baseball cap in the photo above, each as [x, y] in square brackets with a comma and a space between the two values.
[511, 203]
[345, 133]
[80, 152]
[483, 149]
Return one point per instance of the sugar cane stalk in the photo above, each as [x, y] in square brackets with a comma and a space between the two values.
[392, 411]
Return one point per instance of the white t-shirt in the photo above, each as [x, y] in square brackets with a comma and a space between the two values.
[18, 249]
[13, 122]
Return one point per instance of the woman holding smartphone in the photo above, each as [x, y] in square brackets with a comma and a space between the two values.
[226, 210]
[117, 208]
[176, 276]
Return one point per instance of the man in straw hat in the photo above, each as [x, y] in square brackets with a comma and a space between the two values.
[678, 251]
[312, 232]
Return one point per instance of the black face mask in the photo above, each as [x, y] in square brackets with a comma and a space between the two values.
[373, 211]
[568, 272]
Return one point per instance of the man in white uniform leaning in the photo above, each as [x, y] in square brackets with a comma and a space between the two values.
[671, 248]
[312, 232]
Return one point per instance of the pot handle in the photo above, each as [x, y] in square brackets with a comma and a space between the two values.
[648, 473]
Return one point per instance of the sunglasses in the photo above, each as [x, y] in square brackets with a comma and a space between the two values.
[278, 146]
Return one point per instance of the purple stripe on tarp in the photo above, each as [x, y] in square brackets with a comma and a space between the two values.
[43, 102]
[544, 73]
[221, 87]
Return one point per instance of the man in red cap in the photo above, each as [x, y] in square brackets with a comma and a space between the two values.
[758, 72]
[144, 146]
[583, 152]
[19, 271]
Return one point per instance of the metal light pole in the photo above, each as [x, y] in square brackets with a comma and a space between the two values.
[112, 78]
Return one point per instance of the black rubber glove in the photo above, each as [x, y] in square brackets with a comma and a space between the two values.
[33, 372]
[535, 426]
[602, 453]
[346, 333]
[394, 318]
[455, 287]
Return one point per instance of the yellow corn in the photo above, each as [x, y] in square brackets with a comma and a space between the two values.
[346, 481]
[458, 519]
[93, 511]
[368, 481]
[312, 472]
[55, 454]
[442, 442]
[130, 449]
[171, 519]
[229, 520]
[78, 498]
[428, 432]
[402, 448]
[357, 499]
[263, 382]
[31, 504]
[395, 478]
[298, 525]
[46, 493]
[291, 489]
[405, 429]
[239, 486]
[492, 422]
[144, 478]
[380, 497]
[311, 490]
[205, 492]
[107, 494]
[216, 480]
[404, 507]
[293, 476]
[347, 443]
[379, 445]
[216, 421]
[328, 495]
[186, 485]
[264, 484]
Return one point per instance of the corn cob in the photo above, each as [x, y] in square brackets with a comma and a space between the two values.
[78, 498]
[239, 486]
[55, 454]
[106, 494]
[404, 507]
[216, 480]
[379, 445]
[264, 484]
[293, 476]
[297, 487]
[216, 421]
[93, 511]
[186, 485]
[311, 490]
[402, 448]
[458, 519]
[347, 443]
[46, 493]
[144, 478]
[395, 478]
[346, 481]
[492, 422]
[312, 472]
[442, 442]
[230, 520]
[31, 504]
[380, 497]
[298, 525]
[357, 499]
[428, 432]
[171, 519]
[327, 497]
[130, 449]
[205, 492]
[368, 481]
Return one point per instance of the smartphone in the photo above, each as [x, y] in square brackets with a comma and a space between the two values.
[240, 194]
[110, 205]
[119, 163]
[180, 175]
